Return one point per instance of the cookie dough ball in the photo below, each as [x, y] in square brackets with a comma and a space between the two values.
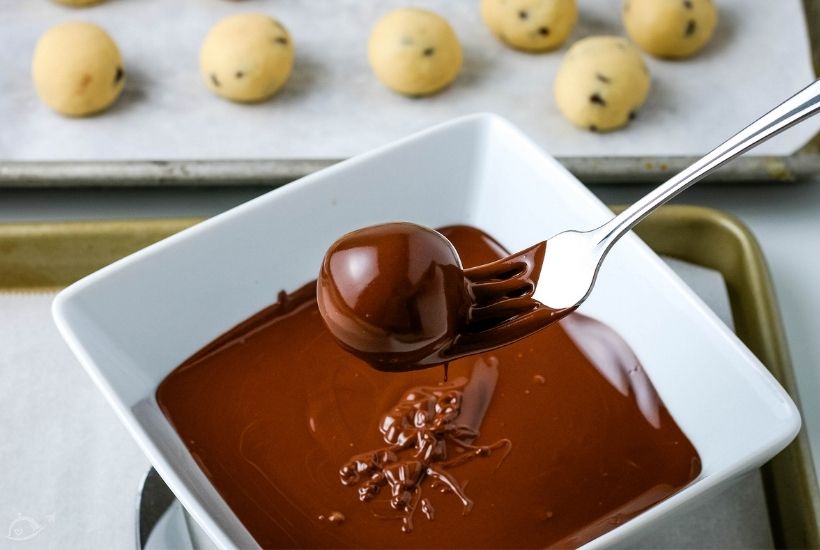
[79, 3]
[77, 69]
[246, 57]
[414, 52]
[670, 28]
[601, 83]
[530, 25]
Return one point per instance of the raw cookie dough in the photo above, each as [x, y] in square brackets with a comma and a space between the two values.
[246, 57]
[670, 28]
[531, 25]
[77, 69]
[79, 3]
[601, 83]
[414, 52]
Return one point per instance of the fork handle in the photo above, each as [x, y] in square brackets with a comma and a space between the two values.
[794, 110]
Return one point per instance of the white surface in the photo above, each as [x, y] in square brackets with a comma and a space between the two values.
[70, 471]
[334, 107]
[473, 172]
[709, 285]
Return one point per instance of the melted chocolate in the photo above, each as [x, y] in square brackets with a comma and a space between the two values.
[550, 441]
[396, 296]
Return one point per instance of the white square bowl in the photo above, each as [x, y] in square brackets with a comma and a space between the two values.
[133, 322]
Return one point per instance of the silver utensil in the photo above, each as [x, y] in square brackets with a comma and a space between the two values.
[573, 258]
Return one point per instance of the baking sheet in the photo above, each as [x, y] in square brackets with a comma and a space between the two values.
[333, 107]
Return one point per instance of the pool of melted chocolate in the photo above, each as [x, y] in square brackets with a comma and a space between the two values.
[550, 441]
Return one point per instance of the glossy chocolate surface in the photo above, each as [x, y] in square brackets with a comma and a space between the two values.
[550, 441]
[397, 296]
[394, 294]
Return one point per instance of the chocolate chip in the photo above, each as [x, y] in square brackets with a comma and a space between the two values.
[118, 75]
[523, 14]
[597, 99]
[428, 52]
[602, 78]
[632, 115]
[690, 27]
[543, 31]
[281, 40]
[687, 4]
[215, 80]
[593, 128]
[239, 74]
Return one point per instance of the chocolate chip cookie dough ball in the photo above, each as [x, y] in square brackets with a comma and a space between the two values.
[670, 28]
[601, 83]
[530, 25]
[246, 57]
[414, 52]
[77, 69]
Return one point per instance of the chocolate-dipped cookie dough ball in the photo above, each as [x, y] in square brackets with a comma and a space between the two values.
[670, 28]
[530, 25]
[393, 294]
[414, 52]
[77, 69]
[601, 83]
[246, 57]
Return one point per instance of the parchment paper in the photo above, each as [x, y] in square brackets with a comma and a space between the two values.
[333, 106]
[68, 468]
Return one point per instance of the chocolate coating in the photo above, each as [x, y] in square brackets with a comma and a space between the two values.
[393, 294]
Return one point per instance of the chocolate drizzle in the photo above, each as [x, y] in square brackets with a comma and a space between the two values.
[430, 431]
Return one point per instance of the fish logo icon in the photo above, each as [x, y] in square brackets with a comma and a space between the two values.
[24, 528]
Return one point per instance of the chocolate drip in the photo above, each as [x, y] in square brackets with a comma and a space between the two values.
[422, 431]
[503, 309]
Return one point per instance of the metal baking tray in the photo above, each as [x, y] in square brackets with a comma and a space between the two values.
[804, 164]
[49, 256]
[681, 232]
